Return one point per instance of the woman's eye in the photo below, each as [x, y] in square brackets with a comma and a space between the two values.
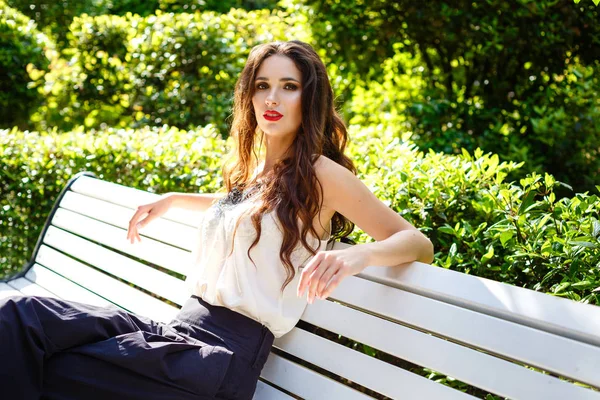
[288, 86]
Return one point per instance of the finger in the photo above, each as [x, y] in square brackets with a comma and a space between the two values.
[333, 283]
[132, 222]
[325, 278]
[308, 269]
[304, 279]
[314, 280]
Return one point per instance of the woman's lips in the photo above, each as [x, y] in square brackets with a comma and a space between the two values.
[272, 116]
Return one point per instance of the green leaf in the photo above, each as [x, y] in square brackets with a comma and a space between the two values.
[487, 256]
[446, 229]
[505, 237]
[452, 250]
[583, 244]
[581, 285]
[543, 221]
[527, 201]
[562, 287]
[596, 228]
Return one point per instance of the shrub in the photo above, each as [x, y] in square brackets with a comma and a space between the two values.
[554, 131]
[25, 55]
[175, 69]
[513, 232]
[53, 17]
[37, 165]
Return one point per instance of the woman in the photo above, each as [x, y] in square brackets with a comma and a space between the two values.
[261, 258]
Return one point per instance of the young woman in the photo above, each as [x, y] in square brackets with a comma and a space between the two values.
[260, 259]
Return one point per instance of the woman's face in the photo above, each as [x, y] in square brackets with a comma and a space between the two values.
[277, 97]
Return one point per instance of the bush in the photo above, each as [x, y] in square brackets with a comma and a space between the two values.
[53, 17]
[37, 165]
[517, 233]
[24, 59]
[221, 6]
[175, 69]
[556, 130]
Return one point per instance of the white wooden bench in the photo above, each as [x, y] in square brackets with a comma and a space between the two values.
[477, 331]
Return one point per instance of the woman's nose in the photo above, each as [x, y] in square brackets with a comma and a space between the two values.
[271, 100]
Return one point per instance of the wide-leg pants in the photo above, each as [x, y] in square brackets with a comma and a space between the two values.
[57, 349]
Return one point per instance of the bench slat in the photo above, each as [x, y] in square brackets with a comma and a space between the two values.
[304, 382]
[468, 365]
[130, 198]
[29, 288]
[118, 292]
[8, 291]
[563, 317]
[151, 250]
[153, 280]
[575, 360]
[360, 368]
[266, 392]
[63, 287]
[161, 229]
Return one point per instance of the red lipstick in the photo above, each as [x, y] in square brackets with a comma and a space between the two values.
[272, 115]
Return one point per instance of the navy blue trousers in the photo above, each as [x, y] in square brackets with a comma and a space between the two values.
[57, 349]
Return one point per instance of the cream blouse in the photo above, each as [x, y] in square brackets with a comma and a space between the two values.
[232, 280]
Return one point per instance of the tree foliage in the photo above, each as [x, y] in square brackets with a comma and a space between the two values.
[492, 75]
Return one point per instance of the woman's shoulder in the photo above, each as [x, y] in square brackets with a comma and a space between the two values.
[328, 170]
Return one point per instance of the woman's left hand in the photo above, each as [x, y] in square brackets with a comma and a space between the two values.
[326, 269]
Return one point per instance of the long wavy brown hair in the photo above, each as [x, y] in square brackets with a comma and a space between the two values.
[291, 188]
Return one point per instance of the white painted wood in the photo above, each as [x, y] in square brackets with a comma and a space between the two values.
[153, 251]
[104, 285]
[569, 358]
[129, 197]
[304, 382]
[360, 368]
[267, 392]
[160, 229]
[141, 275]
[29, 288]
[556, 315]
[63, 287]
[465, 364]
[8, 291]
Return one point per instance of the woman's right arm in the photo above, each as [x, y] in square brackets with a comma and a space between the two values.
[192, 201]
[151, 211]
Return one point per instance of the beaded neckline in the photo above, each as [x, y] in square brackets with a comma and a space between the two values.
[237, 196]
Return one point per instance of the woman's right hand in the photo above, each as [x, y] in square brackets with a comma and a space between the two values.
[151, 211]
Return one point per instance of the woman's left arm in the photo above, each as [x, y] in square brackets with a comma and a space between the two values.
[397, 241]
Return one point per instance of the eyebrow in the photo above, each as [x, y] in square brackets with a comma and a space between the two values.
[262, 78]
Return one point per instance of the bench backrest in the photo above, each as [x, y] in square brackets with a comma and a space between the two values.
[486, 334]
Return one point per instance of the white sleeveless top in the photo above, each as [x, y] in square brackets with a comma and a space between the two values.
[232, 280]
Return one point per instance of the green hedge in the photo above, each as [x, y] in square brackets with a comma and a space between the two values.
[556, 130]
[37, 165]
[480, 224]
[25, 54]
[54, 16]
[174, 69]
